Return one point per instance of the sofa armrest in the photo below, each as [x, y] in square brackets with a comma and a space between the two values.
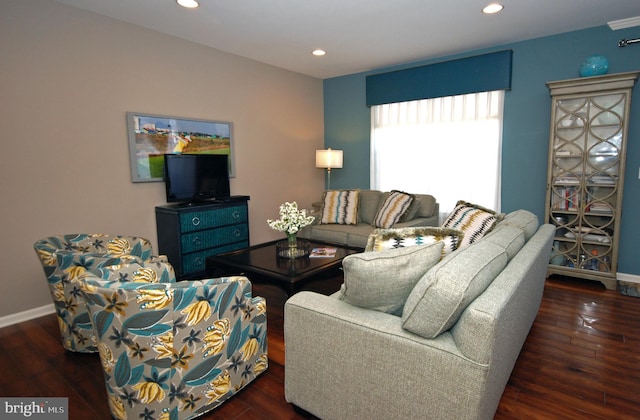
[335, 350]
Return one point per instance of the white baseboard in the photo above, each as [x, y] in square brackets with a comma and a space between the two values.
[5, 321]
[630, 278]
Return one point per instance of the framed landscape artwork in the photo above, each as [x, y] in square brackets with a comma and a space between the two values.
[153, 136]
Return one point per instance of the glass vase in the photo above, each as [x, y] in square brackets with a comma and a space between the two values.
[293, 247]
[292, 240]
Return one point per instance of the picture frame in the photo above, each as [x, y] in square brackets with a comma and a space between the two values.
[153, 136]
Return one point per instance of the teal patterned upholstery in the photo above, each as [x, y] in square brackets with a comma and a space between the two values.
[176, 350]
[65, 259]
[154, 270]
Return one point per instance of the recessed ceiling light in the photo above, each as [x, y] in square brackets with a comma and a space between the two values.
[318, 52]
[191, 4]
[492, 8]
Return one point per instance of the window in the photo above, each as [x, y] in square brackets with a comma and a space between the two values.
[448, 147]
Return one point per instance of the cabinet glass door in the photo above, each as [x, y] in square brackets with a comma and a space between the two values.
[586, 155]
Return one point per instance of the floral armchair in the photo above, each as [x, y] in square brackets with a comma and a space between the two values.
[65, 259]
[176, 350]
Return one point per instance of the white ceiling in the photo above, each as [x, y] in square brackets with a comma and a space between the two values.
[358, 35]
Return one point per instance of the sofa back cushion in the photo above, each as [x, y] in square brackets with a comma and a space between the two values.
[423, 205]
[427, 205]
[436, 302]
[522, 219]
[510, 238]
[381, 281]
[368, 203]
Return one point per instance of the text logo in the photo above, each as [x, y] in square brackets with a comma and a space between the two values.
[34, 408]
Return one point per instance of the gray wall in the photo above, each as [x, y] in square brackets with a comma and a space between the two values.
[67, 78]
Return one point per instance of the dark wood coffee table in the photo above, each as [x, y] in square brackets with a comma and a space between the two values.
[260, 263]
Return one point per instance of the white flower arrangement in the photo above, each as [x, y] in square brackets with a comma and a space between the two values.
[291, 219]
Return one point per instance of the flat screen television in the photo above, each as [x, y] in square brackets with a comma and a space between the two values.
[191, 178]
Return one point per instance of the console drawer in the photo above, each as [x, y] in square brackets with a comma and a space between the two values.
[212, 238]
[195, 262]
[200, 220]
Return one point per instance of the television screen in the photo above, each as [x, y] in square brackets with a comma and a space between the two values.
[192, 178]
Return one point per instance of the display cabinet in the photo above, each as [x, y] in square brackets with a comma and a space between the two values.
[588, 135]
[189, 233]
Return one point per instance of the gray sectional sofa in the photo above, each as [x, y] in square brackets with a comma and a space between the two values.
[447, 354]
[423, 212]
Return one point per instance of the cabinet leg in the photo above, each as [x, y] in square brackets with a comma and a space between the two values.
[610, 284]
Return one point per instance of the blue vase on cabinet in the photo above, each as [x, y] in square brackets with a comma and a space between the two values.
[595, 65]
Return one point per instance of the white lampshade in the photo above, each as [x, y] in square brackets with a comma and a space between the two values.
[329, 158]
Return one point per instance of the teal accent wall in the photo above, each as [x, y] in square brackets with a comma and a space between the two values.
[527, 111]
[347, 125]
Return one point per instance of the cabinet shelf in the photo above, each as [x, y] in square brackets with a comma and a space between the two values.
[587, 144]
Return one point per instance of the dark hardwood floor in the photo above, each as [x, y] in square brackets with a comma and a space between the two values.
[581, 360]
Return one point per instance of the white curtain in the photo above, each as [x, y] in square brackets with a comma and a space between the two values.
[448, 147]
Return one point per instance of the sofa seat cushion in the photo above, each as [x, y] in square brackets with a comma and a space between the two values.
[382, 239]
[349, 235]
[340, 207]
[475, 221]
[382, 281]
[441, 295]
[392, 207]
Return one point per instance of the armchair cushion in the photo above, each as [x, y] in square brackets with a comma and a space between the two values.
[382, 280]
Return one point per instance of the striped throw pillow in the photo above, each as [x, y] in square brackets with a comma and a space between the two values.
[340, 207]
[473, 220]
[392, 209]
